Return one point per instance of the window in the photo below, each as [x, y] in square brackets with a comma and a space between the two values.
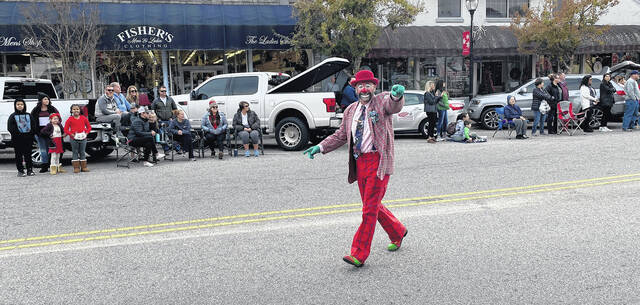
[245, 85]
[215, 87]
[449, 8]
[573, 83]
[413, 99]
[505, 8]
[27, 90]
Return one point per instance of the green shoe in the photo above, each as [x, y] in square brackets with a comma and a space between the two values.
[393, 246]
[352, 260]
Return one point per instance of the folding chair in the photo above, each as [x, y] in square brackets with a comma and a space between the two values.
[502, 121]
[234, 133]
[567, 120]
[195, 143]
[203, 147]
[130, 153]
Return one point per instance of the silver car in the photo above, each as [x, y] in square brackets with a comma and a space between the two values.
[412, 117]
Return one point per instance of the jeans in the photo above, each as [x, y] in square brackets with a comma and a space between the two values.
[22, 150]
[187, 142]
[255, 137]
[442, 122]
[521, 126]
[147, 143]
[214, 140]
[538, 120]
[78, 149]
[606, 115]
[114, 119]
[630, 113]
[43, 145]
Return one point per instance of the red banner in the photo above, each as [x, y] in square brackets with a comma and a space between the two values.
[466, 43]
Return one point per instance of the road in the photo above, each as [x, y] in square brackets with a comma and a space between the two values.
[549, 220]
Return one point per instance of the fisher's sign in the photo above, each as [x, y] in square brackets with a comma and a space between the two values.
[12, 41]
[145, 37]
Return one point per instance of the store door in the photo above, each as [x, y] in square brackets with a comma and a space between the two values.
[194, 77]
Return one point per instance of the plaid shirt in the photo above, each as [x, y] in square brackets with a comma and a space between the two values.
[380, 109]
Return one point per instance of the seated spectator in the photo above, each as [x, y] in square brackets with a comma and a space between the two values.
[132, 95]
[141, 135]
[107, 110]
[181, 130]
[247, 125]
[128, 117]
[214, 125]
[166, 110]
[458, 136]
[121, 100]
[514, 113]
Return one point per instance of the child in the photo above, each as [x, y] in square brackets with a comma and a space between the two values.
[22, 127]
[54, 132]
[469, 137]
[77, 128]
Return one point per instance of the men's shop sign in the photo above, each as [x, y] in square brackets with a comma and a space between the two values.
[22, 43]
[145, 37]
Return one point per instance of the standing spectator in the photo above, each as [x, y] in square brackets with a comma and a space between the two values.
[22, 127]
[54, 131]
[181, 130]
[631, 104]
[442, 106]
[589, 101]
[556, 92]
[132, 95]
[121, 100]
[247, 125]
[332, 86]
[539, 96]
[77, 128]
[214, 125]
[142, 136]
[606, 101]
[563, 86]
[430, 108]
[107, 110]
[514, 113]
[348, 95]
[41, 113]
[165, 108]
[620, 80]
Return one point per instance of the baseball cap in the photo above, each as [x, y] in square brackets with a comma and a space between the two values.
[634, 72]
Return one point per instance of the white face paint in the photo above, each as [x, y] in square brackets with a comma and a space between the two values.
[365, 91]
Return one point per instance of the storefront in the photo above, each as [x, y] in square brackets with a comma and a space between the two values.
[178, 45]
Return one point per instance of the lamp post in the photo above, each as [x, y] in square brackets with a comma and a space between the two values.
[471, 5]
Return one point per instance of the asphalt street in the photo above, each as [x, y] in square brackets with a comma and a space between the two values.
[548, 220]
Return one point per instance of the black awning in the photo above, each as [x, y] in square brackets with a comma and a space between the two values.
[619, 38]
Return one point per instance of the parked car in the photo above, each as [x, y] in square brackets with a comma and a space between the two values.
[99, 141]
[412, 117]
[294, 116]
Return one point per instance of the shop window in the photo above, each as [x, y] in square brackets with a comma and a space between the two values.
[244, 85]
[505, 8]
[449, 8]
[216, 87]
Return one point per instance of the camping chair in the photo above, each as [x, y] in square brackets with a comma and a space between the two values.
[567, 120]
[129, 153]
[195, 143]
[502, 121]
[203, 147]
[234, 133]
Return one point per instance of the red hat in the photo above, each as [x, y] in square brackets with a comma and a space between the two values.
[54, 114]
[364, 76]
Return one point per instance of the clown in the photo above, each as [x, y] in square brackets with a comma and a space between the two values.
[367, 128]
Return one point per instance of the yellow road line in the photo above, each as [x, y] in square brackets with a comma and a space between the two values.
[290, 211]
[341, 211]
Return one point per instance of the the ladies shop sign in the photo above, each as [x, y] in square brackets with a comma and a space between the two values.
[14, 42]
[267, 40]
[145, 37]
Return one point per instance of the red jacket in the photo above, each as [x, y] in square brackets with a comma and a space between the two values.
[73, 125]
[382, 107]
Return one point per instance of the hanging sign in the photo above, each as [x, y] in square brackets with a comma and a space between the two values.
[466, 43]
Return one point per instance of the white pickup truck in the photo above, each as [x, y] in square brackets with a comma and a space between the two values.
[295, 117]
[99, 142]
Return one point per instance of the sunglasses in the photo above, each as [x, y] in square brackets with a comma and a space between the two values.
[133, 90]
[214, 107]
[163, 90]
[109, 90]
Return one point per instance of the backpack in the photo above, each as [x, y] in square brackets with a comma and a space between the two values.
[451, 128]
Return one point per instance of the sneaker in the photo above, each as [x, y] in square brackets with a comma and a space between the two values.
[178, 152]
[44, 168]
[256, 153]
[396, 244]
[247, 154]
[607, 129]
[352, 260]
[441, 139]
[535, 135]
[601, 129]
[30, 173]
[21, 174]
[193, 159]
[213, 153]
[160, 155]
[148, 164]
[636, 127]
[432, 141]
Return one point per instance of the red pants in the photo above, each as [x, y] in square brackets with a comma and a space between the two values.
[372, 191]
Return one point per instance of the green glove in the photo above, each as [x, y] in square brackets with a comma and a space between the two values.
[312, 151]
[397, 91]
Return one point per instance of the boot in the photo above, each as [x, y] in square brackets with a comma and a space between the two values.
[83, 165]
[76, 166]
[53, 169]
[60, 169]
[44, 168]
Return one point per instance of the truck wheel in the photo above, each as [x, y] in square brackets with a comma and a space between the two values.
[422, 128]
[596, 118]
[292, 134]
[489, 119]
[98, 152]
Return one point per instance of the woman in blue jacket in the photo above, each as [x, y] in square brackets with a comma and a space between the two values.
[513, 113]
[214, 125]
[181, 130]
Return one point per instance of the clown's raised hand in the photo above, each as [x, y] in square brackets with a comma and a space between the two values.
[397, 91]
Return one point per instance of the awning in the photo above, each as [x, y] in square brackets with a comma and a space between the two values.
[425, 41]
[161, 26]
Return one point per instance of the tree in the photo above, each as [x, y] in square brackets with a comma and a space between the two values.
[69, 33]
[348, 28]
[558, 27]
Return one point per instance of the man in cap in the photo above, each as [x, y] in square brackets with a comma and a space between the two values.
[141, 135]
[368, 130]
[631, 103]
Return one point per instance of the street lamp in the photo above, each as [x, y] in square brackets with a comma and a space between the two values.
[471, 5]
